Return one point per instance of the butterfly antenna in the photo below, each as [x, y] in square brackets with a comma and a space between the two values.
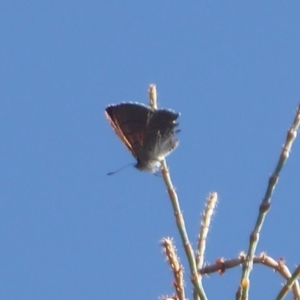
[114, 172]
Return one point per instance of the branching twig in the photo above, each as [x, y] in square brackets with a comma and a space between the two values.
[247, 260]
[279, 266]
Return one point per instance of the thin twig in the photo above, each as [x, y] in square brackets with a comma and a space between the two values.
[243, 289]
[178, 214]
[291, 282]
[210, 208]
[177, 268]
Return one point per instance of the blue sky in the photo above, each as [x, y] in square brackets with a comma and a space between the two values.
[67, 231]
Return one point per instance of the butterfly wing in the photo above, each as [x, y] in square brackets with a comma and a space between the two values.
[166, 141]
[129, 120]
[159, 140]
[148, 134]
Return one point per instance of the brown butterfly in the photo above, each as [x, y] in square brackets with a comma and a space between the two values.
[148, 134]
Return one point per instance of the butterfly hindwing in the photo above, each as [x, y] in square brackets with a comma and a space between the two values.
[161, 132]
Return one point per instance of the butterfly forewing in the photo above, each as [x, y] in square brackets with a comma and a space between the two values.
[130, 122]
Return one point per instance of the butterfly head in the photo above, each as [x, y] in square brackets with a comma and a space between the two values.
[148, 166]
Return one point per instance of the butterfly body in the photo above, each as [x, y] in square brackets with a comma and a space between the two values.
[148, 134]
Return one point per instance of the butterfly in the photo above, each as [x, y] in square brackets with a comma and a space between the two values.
[148, 134]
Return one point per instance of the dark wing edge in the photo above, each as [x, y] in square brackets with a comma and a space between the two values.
[115, 125]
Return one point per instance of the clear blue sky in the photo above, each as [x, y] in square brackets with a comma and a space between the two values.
[67, 231]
